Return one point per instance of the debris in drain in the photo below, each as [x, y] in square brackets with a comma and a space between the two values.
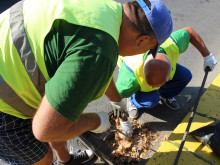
[131, 152]
[165, 137]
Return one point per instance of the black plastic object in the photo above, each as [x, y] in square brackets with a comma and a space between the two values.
[207, 69]
[209, 136]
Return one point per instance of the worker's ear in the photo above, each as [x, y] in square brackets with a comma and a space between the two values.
[142, 40]
[144, 43]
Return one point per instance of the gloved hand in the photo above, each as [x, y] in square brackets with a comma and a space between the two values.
[119, 108]
[210, 62]
[126, 127]
[104, 125]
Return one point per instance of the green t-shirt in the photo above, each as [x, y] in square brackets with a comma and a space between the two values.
[127, 83]
[79, 61]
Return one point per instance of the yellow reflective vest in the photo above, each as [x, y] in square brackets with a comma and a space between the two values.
[136, 63]
[23, 29]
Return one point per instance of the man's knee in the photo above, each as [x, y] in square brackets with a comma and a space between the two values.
[183, 75]
[188, 76]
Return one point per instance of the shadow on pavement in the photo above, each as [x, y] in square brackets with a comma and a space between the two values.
[161, 118]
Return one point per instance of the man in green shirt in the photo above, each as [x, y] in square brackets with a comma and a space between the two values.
[136, 81]
[56, 57]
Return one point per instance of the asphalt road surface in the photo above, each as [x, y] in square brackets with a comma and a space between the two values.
[203, 16]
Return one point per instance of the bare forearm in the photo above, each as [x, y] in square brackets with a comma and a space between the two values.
[65, 131]
[48, 125]
[114, 96]
[112, 92]
[197, 42]
[87, 121]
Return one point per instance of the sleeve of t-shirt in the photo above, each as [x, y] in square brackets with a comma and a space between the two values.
[77, 81]
[181, 38]
[127, 83]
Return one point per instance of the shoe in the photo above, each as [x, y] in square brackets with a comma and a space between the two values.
[78, 157]
[170, 103]
[132, 110]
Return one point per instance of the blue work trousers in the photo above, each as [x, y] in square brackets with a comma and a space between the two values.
[170, 89]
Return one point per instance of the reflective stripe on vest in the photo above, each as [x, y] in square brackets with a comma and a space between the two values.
[22, 45]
